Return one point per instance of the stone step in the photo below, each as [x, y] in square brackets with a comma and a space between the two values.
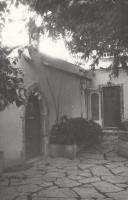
[113, 132]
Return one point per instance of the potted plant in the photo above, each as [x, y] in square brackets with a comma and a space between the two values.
[70, 135]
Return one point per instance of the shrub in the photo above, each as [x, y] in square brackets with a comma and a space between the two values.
[124, 125]
[75, 131]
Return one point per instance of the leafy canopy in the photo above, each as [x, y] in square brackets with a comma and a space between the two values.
[11, 81]
[88, 25]
[11, 77]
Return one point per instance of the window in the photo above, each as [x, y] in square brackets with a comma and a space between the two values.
[95, 106]
[108, 55]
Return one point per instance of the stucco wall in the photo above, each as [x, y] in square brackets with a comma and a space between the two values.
[11, 135]
[65, 88]
[101, 77]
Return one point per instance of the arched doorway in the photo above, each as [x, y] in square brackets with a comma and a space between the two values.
[32, 128]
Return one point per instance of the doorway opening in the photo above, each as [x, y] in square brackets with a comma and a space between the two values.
[33, 128]
[111, 106]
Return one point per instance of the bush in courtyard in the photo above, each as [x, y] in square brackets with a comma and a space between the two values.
[75, 131]
[124, 125]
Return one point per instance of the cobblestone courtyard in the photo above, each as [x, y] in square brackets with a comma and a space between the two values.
[91, 176]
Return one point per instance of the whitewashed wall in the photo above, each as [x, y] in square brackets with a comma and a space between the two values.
[101, 78]
[63, 84]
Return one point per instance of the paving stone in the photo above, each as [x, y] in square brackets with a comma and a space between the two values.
[35, 181]
[60, 166]
[42, 167]
[54, 174]
[22, 198]
[86, 185]
[88, 177]
[100, 170]
[31, 172]
[75, 177]
[3, 182]
[123, 195]
[8, 193]
[120, 169]
[94, 156]
[49, 179]
[56, 171]
[37, 176]
[52, 169]
[86, 174]
[15, 182]
[105, 187]
[124, 174]
[54, 187]
[63, 162]
[23, 182]
[126, 164]
[71, 168]
[28, 188]
[122, 185]
[116, 158]
[12, 174]
[89, 180]
[98, 162]
[46, 184]
[72, 172]
[58, 198]
[66, 182]
[115, 179]
[88, 193]
[114, 165]
[85, 166]
[57, 193]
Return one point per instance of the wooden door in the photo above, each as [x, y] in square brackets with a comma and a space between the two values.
[33, 128]
[111, 106]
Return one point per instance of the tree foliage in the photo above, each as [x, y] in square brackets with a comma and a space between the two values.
[100, 25]
[11, 81]
[11, 77]
[86, 25]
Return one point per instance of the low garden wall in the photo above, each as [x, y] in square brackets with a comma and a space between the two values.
[123, 144]
[109, 143]
[115, 142]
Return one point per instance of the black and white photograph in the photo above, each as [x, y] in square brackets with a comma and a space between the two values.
[63, 99]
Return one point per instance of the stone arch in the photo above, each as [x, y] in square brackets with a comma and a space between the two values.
[35, 90]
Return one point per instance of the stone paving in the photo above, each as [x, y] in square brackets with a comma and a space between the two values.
[91, 176]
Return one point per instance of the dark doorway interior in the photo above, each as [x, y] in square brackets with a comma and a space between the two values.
[111, 106]
[33, 128]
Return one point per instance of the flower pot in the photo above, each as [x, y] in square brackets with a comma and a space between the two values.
[61, 150]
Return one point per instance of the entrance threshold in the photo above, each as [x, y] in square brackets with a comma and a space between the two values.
[113, 131]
